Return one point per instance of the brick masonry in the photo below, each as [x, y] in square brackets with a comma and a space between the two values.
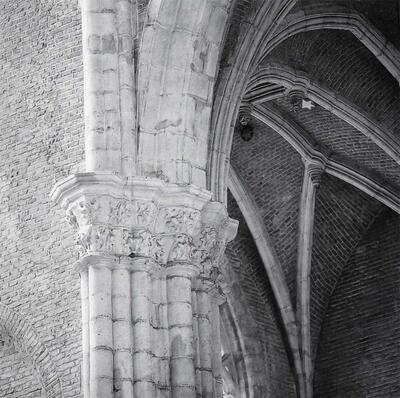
[384, 18]
[41, 141]
[344, 142]
[18, 377]
[359, 353]
[339, 60]
[342, 216]
[273, 172]
[252, 279]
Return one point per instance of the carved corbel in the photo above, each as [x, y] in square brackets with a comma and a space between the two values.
[315, 167]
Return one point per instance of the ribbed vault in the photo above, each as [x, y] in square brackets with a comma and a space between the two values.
[322, 90]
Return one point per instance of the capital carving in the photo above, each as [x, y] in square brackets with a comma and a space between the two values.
[147, 218]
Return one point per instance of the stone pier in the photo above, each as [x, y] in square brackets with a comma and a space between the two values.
[151, 285]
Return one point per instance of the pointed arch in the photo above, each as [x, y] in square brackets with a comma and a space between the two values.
[308, 20]
[230, 91]
[178, 64]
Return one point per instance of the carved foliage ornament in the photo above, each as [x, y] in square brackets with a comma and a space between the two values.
[129, 228]
[179, 219]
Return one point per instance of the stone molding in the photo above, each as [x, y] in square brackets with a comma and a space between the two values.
[145, 218]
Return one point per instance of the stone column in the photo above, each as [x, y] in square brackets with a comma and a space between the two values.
[149, 264]
[209, 296]
[313, 171]
[109, 91]
[180, 328]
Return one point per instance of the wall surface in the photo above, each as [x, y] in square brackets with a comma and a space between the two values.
[41, 140]
[252, 287]
[359, 354]
[18, 377]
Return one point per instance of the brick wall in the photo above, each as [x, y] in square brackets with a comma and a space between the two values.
[359, 353]
[17, 377]
[342, 216]
[340, 61]
[40, 143]
[344, 142]
[273, 172]
[257, 293]
[384, 18]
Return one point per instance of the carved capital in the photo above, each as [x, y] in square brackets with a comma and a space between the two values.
[145, 218]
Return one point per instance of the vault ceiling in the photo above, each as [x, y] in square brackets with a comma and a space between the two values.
[340, 61]
[273, 170]
[383, 13]
[343, 141]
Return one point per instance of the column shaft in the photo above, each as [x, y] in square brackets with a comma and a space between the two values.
[216, 346]
[101, 86]
[122, 333]
[142, 243]
[205, 338]
[160, 337]
[100, 333]
[126, 20]
[141, 287]
[85, 333]
[312, 176]
[180, 321]
[196, 343]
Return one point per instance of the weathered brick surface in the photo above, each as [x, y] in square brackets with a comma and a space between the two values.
[344, 142]
[17, 377]
[40, 142]
[342, 216]
[359, 352]
[258, 295]
[273, 172]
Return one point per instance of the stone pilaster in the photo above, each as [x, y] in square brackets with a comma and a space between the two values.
[149, 262]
